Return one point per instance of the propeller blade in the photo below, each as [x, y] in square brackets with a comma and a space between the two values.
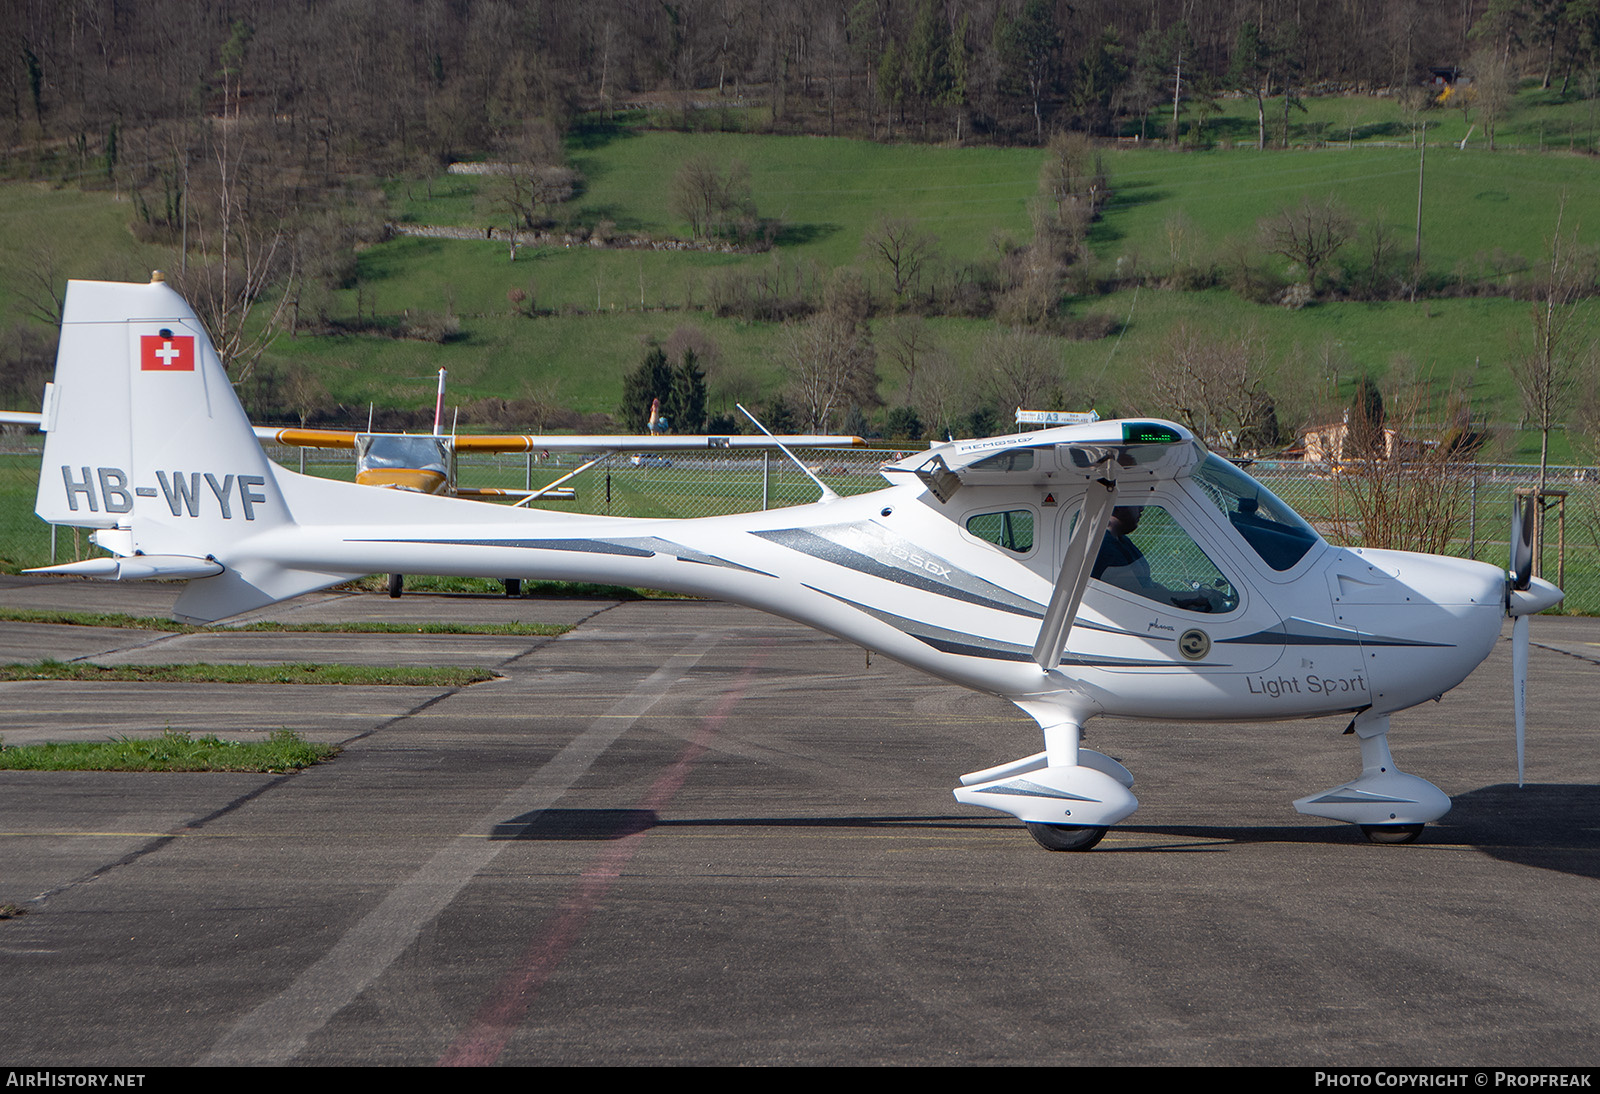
[1522, 541]
[1519, 682]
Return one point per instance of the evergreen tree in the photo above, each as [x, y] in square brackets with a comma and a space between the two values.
[891, 81]
[903, 423]
[1100, 72]
[927, 58]
[1027, 48]
[1250, 72]
[1366, 420]
[1287, 51]
[652, 380]
[1141, 93]
[685, 403]
[780, 417]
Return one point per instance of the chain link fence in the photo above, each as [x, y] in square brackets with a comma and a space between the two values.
[1480, 515]
[708, 483]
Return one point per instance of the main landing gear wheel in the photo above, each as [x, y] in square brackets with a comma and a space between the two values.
[1392, 833]
[1067, 837]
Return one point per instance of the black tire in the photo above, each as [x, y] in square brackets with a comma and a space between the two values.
[1065, 837]
[513, 586]
[1391, 833]
[396, 583]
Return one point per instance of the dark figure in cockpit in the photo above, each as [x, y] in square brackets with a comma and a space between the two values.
[1122, 564]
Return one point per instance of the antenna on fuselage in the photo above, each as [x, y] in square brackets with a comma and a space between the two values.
[827, 494]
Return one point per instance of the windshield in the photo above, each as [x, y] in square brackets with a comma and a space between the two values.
[407, 453]
[1271, 528]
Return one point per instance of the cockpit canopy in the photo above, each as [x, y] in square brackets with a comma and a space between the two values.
[1150, 464]
[1129, 450]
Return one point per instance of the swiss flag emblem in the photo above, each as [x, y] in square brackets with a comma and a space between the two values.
[166, 352]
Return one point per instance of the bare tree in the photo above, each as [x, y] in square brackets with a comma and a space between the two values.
[1310, 233]
[909, 343]
[1492, 85]
[901, 246]
[695, 194]
[714, 201]
[241, 235]
[830, 363]
[27, 361]
[1413, 101]
[42, 286]
[944, 394]
[531, 181]
[1034, 296]
[541, 402]
[1019, 369]
[524, 193]
[1215, 386]
[1562, 348]
[303, 392]
[1073, 180]
[1415, 498]
[690, 338]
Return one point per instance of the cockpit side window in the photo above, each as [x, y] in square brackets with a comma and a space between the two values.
[1271, 528]
[1147, 553]
[1011, 529]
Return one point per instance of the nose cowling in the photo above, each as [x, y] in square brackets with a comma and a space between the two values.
[1426, 620]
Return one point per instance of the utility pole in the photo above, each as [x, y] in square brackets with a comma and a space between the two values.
[1177, 93]
[1416, 259]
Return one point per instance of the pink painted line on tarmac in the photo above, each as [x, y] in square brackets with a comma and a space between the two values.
[481, 1043]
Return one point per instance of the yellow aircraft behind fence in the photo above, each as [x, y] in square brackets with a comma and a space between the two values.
[426, 463]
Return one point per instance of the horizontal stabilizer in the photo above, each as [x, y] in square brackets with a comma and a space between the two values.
[232, 591]
[137, 568]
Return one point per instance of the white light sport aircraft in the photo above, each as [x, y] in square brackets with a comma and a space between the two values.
[1113, 568]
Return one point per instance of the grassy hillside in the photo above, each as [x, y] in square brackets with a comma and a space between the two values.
[83, 233]
[1487, 218]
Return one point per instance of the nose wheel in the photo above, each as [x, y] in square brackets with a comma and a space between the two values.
[1388, 805]
[1066, 837]
[1391, 833]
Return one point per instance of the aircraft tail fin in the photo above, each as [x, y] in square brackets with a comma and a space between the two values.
[146, 443]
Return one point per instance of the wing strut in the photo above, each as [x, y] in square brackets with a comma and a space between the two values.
[827, 494]
[543, 490]
[1076, 564]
